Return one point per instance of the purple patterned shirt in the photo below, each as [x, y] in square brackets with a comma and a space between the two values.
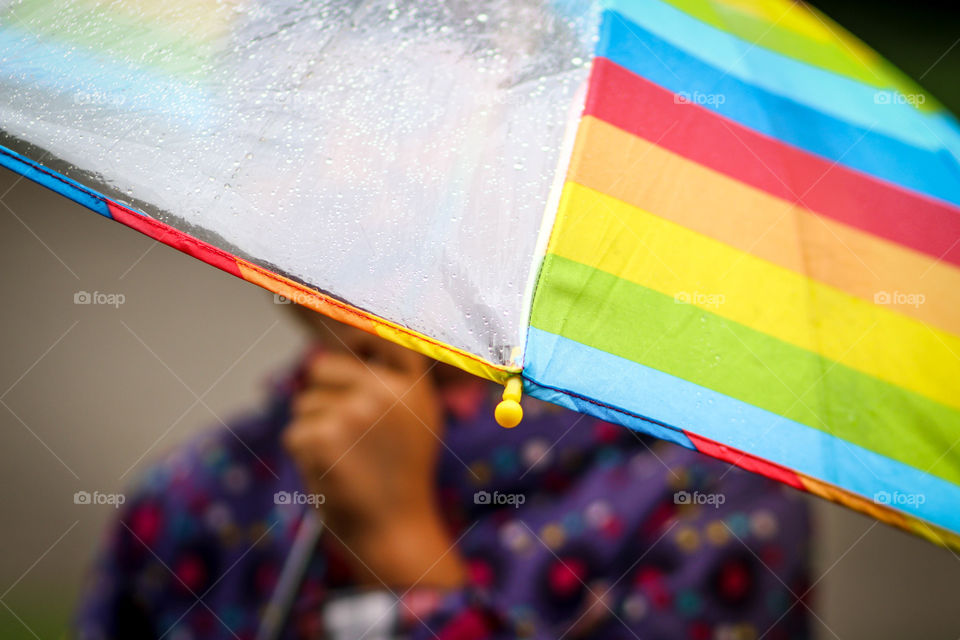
[571, 528]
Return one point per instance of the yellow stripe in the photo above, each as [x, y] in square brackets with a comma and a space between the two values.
[626, 241]
[640, 173]
[805, 22]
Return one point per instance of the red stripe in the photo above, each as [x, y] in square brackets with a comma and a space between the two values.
[636, 105]
[746, 461]
[177, 239]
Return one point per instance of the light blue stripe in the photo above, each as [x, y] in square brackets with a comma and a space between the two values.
[584, 405]
[560, 363]
[834, 94]
[631, 46]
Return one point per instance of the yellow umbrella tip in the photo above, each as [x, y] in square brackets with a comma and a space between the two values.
[508, 413]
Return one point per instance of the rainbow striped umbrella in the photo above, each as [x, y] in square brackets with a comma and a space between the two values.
[724, 223]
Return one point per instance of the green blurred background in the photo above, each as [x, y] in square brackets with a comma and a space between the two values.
[921, 37]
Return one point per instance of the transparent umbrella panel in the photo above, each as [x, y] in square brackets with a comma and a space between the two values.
[399, 156]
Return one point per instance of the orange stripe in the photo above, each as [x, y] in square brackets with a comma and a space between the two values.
[881, 512]
[632, 169]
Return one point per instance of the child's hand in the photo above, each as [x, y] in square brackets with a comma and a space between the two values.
[365, 435]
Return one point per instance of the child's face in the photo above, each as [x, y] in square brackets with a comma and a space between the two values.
[334, 336]
[337, 337]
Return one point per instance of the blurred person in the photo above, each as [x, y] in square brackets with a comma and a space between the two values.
[438, 523]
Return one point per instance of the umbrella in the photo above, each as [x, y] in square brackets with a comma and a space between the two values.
[729, 225]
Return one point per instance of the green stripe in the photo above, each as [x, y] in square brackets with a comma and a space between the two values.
[614, 315]
[866, 66]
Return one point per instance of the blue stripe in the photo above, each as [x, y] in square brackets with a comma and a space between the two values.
[820, 89]
[54, 181]
[556, 363]
[629, 45]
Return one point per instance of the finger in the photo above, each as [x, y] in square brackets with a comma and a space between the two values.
[334, 371]
[350, 410]
[316, 400]
[315, 437]
[311, 443]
